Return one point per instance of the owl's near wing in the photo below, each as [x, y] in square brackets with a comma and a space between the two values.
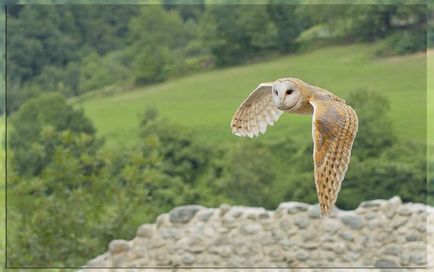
[255, 113]
[334, 127]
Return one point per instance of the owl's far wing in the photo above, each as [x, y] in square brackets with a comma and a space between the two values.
[253, 115]
[334, 127]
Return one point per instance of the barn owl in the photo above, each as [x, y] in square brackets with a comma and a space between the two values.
[334, 127]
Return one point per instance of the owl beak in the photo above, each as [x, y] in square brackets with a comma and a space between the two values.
[281, 106]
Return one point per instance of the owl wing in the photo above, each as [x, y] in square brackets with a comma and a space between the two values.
[255, 113]
[334, 127]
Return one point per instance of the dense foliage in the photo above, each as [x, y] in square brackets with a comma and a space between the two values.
[78, 49]
[75, 189]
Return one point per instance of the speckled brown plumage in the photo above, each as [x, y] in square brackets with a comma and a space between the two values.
[334, 128]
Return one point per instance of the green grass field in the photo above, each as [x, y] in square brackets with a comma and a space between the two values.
[207, 101]
[2, 195]
[430, 99]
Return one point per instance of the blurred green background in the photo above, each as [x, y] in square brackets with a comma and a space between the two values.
[119, 113]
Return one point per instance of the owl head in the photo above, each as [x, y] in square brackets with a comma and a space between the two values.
[289, 94]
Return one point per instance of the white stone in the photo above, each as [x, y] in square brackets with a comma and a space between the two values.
[379, 233]
[118, 246]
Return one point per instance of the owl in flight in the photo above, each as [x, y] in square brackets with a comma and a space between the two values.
[334, 127]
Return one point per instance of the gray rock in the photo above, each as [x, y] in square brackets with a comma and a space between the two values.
[394, 250]
[146, 231]
[285, 224]
[156, 242]
[236, 213]
[413, 236]
[418, 257]
[351, 256]
[287, 243]
[184, 214]
[330, 225]
[372, 203]
[302, 255]
[163, 221]
[346, 236]
[384, 263]
[310, 245]
[404, 210]
[267, 239]
[399, 221]
[169, 233]
[251, 216]
[418, 208]
[240, 248]
[223, 251]
[196, 244]
[314, 211]
[264, 216]
[228, 220]
[405, 258]
[370, 215]
[188, 259]
[338, 247]
[249, 229]
[224, 208]
[302, 221]
[204, 230]
[376, 224]
[276, 255]
[353, 221]
[293, 207]
[205, 215]
[421, 228]
[163, 260]
[389, 207]
[101, 260]
[119, 259]
[118, 246]
[278, 234]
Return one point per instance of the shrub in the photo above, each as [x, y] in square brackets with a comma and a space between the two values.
[403, 42]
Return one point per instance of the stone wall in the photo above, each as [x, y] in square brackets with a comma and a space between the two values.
[379, 233]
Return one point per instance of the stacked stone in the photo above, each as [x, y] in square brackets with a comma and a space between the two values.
[378, 234]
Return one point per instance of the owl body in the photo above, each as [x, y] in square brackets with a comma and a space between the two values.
[334, 127]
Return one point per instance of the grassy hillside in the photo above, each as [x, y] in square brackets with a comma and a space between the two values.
[2, 194]
[430, 98]
[207, 101]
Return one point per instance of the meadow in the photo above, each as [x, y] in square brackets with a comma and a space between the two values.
[2, 194]
[206, 101]
[430, 99]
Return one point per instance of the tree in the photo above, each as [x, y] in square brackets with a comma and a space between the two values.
[80, 192]
[234, 35]
[248, 176]
[375, 133]
[35, 132]
[289, 26]
[182, 154]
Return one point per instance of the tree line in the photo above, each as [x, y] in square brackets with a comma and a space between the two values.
[75, 49]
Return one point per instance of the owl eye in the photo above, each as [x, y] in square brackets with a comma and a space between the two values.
[275, 92]
[288, 92]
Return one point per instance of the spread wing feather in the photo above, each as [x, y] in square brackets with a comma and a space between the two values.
[334, 127]
[255, 113]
